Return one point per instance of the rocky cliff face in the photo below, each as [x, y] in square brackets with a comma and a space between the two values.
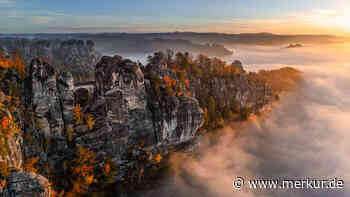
[123, 115]
[131, 117]
[126, 115]
[77, 56]
[12, 157]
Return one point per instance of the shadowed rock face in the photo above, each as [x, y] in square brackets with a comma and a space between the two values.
[125, 114]
[49, 100]
[26, 184]
[44, 99]
[119, 108]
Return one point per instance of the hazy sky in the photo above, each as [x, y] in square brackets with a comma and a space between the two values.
[229, 16]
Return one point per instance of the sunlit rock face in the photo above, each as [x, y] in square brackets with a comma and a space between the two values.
[11, 148]
[26, 184]
[18, 183]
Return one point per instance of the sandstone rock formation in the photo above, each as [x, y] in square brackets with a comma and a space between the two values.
[129, 106]
[77, 56]
[126, 115]
[26, 184]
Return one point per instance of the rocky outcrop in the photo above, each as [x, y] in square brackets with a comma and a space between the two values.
[238, 89]
[120, 110]
[12, 157]
[133, 114]
[26, 184]
[11, 140]
[77, 56]
[49, 100]
[125, 115]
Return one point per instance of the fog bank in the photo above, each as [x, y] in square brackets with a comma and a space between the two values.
[306, 135]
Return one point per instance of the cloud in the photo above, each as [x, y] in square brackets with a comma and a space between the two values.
[41, 19]
[316, 21]
[306, 135]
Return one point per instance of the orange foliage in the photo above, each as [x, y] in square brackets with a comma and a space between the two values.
[82, 170]
[76, 188]
[29, 165]
[107, 169]
[55, 194]
[2, 183]
[16, 62]
[167, 80]
[5, 123]
[158, 158]
[90, 122]
[170, 83]
[8, 126]
[4, 170]
[4, 63]
[77, 114]
[187, 83]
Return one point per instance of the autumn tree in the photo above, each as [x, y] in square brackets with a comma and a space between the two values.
[29, 165]
[16, 62]
[78, 115]
[81, 170]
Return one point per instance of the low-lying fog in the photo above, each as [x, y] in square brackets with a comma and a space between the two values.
[306, 135]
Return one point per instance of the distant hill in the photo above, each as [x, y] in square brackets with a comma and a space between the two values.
[184, 41]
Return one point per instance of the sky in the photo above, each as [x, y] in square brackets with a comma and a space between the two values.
[225, 16]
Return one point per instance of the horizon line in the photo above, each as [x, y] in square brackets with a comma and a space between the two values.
[179, 32]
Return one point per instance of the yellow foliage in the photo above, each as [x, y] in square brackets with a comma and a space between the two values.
[158, 158]
[77, 114]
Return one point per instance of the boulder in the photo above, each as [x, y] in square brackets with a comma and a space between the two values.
[26, 184]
